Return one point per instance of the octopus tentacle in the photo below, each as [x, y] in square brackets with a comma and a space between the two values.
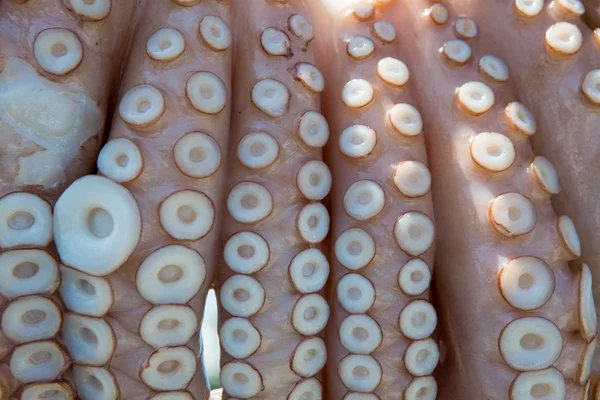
[138, 240]
[530, 318]
[379, 338]
[59, 63]
[271, 286]
[567, 129]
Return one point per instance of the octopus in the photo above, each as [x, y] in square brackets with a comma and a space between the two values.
[392, 198]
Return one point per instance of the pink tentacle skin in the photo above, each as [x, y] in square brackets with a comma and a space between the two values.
[273, 312]
[59, 61]
[565, 103]
[138, 240]
[379, 340]
[517, 321]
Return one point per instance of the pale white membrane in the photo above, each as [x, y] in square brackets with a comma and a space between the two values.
[493, 151]
[169, 368]
[90, 341]
[586, 308]
[585, 364]
[165, 44]
[95, 10]
[242, 296]
[275, 42]
[48, 391]
[384, 31]
[271, 97]
[360, 334]
[546, 174]
[421, 357]
[29, 271]
[360, 373]
[357, 93]
[355, 293]
[25, 219]
[309, 76]
[364, 11]
[215, 33]
[360, 47]
[568, 234]
[246, 252]
[174, 396]
[249, 202]
[313, 129]
[354, 248]
[309, 270]
[591, 86]
[418, 320]
[171, 275]
[545, 384]
[530, 343]
[187, 215]
[357, 141]
[519, 118]
[526, 283]
[57, 50]
[168, 325]
[58, 117]
[85, 294]
[239, 338]
[493, 67]
[38, 361]
[571, 6]
[414, 277]
[512, 214]
[392, 71]
[360, 396]
[309, 357]
[314, 180]
[241, 380]
[310, 314]
[364, 200]
[142, 105]
[438, 13]
[406, 119]
[120, 160]
[457, 50]
[300, 27]
[206, 92]
[423, 388]
[475, 97]
[414, 233]
[313, 223]
[564, 38]
[94, 383]
[412, 178]
[465, 28]
[31, 318]
[258, 150]
[529, 8]
[307, 389]
[197, 155]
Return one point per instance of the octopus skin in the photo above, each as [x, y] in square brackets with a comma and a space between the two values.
[567, 130]
[518, 320]
[379, 338]
[363, 117]
[138, 240]
[59, 64]
[271, 284]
